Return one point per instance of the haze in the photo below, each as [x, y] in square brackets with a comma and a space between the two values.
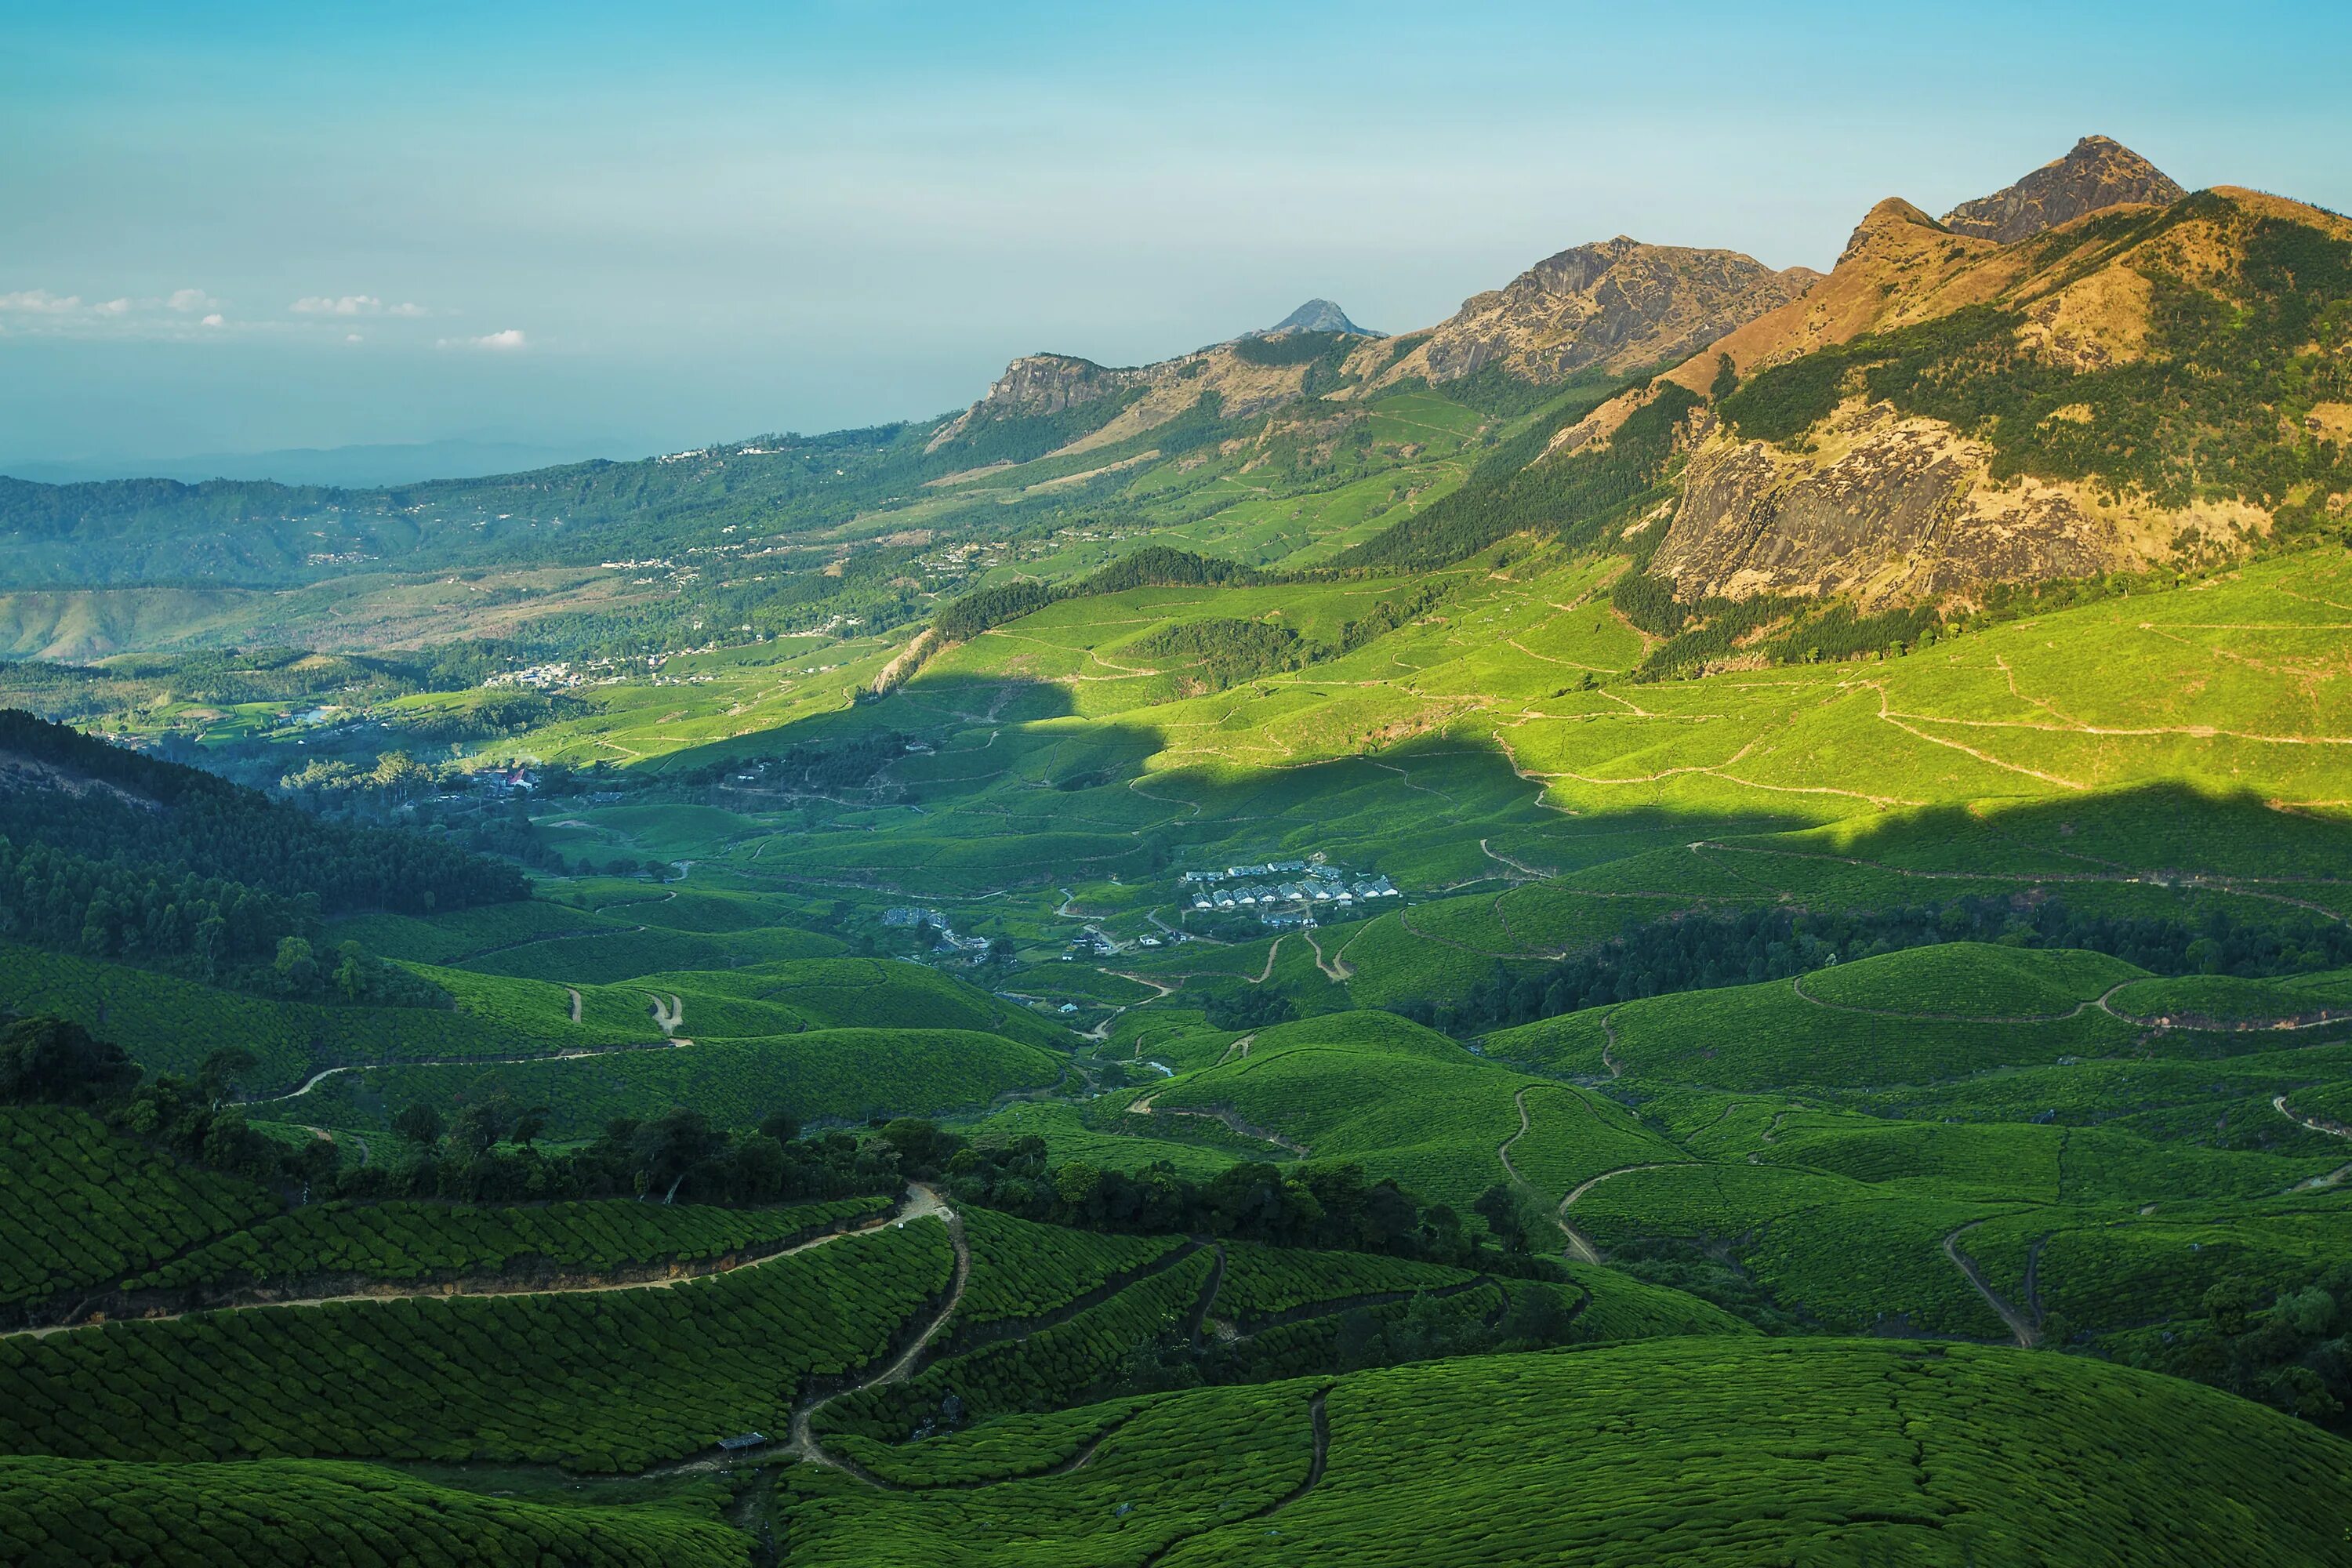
[619, 230]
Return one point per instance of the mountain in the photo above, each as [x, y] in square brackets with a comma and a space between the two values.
[1315, 316]
[1613, 307]
[2097, 174]
[2140, 386]
[1616, 305]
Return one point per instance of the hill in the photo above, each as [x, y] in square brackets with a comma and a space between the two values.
[1677, 1452]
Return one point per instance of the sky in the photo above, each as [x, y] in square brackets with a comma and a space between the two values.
[229, 228]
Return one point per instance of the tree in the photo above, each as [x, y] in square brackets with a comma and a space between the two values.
[420, 1124]
[480, 1126]
[351, 975]
[216, 1080]
[51, 1060]
[294, 963]
[1499, 1207]
[668, 1149]
[1726, 379]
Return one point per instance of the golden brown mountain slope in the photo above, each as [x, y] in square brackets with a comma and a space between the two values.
[1613, 306]
[1898, 506]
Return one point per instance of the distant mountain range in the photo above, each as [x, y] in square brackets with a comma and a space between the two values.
[2084, 372]
[359, 466]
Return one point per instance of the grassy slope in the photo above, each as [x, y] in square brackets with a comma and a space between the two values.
[1675, 1451]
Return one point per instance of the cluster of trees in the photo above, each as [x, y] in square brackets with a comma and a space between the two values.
[164, 819]
[1225, 652]
[1331, 1207]
[1154, 566]
[395, 778]
[2289, 1352]
[207, 927]
[1695, 953]
[488, 1153]
[1387, 615]
[485, 718]
[1252, 1007]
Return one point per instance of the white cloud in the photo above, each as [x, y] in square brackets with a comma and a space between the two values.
[411, 309]
[506, 342]
[192, 299]
[113, 308]
[353, 338]
[214, 320]
[40, 302]
[347, 305]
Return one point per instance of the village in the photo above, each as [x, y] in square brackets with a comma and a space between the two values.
[1284, 894]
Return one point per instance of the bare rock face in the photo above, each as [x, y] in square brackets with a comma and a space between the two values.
[1896, 510]
[2098, 174]
[1615, 305]
[1048, 384]
[1038, 385]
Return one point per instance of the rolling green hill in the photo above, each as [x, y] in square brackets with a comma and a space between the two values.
[1678, 1451]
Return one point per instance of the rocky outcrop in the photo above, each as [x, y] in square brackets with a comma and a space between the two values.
[1616, 305]
[1887, 509]
[2096, 174]
[1035, 385]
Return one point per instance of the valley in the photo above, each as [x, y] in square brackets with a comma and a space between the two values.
[1704, 914]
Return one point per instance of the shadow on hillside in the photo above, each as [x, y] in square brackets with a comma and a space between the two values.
[1009, 763]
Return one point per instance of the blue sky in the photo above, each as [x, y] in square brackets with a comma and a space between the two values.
[229, 228]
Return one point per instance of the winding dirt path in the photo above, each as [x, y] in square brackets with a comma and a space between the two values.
[2317, 1124]
[572, 993]
[1520, 865]
[2028, 1332]
[1591, 1182]
[1797, 984]
[803, 1443]
[323, 1074]
[1333, 967]
[919, 1202]
[1577, 1244]
[670, 1018]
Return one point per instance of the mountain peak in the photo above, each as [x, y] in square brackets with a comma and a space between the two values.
[1315, 316]
[1613, 304]
[2096, 174]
